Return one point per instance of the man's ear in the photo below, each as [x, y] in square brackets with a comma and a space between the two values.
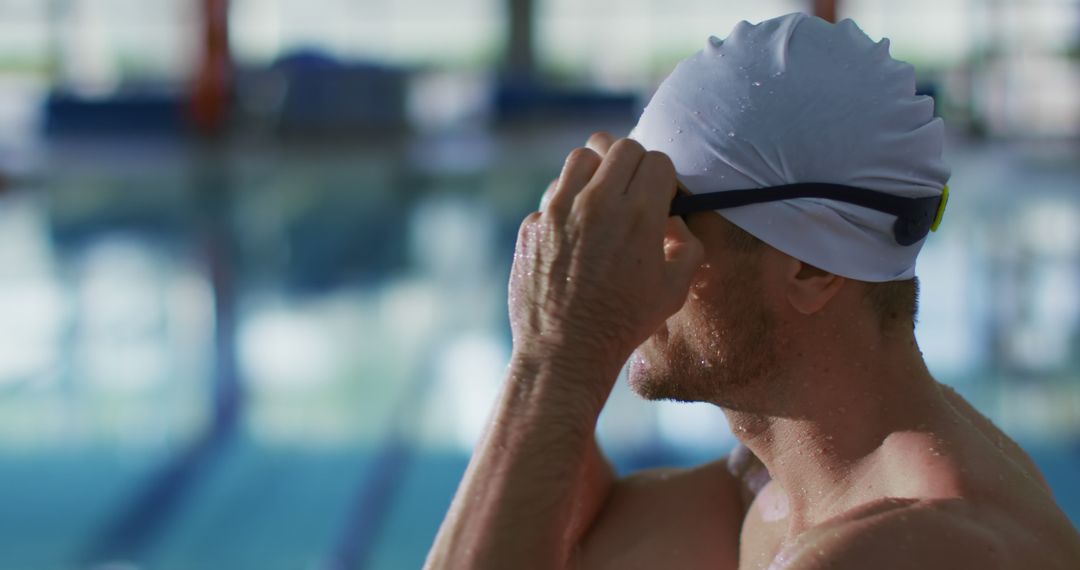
[809, 289]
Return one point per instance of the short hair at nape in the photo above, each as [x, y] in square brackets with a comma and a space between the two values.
[895, 302]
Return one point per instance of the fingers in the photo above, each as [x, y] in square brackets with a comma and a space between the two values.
[546, 196]
[580, 167]
[600, 142]
[626, 177]
[528, 222]
[527, 226]
[613, 177]
[652, 188]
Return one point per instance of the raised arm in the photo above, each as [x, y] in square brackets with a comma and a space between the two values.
[594, 275]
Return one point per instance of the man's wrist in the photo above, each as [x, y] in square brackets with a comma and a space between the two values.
[563, 377]
[566, 355]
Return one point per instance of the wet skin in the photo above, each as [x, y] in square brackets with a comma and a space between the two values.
[962, 497]
[852, 455]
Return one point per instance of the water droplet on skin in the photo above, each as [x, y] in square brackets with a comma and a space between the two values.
[671, 139]
[678, 131]
[731, 134]
[756, 84]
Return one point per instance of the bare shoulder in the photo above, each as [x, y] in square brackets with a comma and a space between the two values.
[928, 535]
[992, 434]
[675, 518]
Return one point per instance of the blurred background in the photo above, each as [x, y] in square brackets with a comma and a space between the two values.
[253, 253]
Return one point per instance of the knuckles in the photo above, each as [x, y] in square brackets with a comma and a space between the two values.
[582, 156]
[600, 140]
[626, 146]
[528, 226]
[529, 222]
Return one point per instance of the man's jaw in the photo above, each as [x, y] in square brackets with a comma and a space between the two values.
[663, 368]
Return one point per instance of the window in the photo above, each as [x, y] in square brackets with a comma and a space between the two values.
[460, 33]
[632, 43]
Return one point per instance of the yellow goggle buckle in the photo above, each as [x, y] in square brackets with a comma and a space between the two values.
[941, 209]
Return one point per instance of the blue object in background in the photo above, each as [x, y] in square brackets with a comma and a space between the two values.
[325, 97]
[154, 112]
[523, 99]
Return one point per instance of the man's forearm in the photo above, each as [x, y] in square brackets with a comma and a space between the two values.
[537, 479]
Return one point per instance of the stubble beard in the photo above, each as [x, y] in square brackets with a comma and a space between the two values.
[727, 360]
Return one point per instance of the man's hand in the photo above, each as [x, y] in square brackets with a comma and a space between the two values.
[603, 265]
[594, 274]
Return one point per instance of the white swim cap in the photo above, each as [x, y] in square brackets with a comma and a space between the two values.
[792, 100]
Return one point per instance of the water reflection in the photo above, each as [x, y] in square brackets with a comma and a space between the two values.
[31, 299]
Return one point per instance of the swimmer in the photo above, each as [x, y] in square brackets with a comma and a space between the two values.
[793, 313]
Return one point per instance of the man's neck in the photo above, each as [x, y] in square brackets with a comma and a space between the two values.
[840, 403]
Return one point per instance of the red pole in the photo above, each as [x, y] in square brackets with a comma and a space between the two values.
[212, 87]
[825, 9]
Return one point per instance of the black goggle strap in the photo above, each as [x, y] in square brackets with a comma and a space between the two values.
[915, 217]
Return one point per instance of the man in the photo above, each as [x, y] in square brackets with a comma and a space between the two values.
[789, 307]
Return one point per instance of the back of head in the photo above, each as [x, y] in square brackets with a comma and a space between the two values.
[797, 99]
